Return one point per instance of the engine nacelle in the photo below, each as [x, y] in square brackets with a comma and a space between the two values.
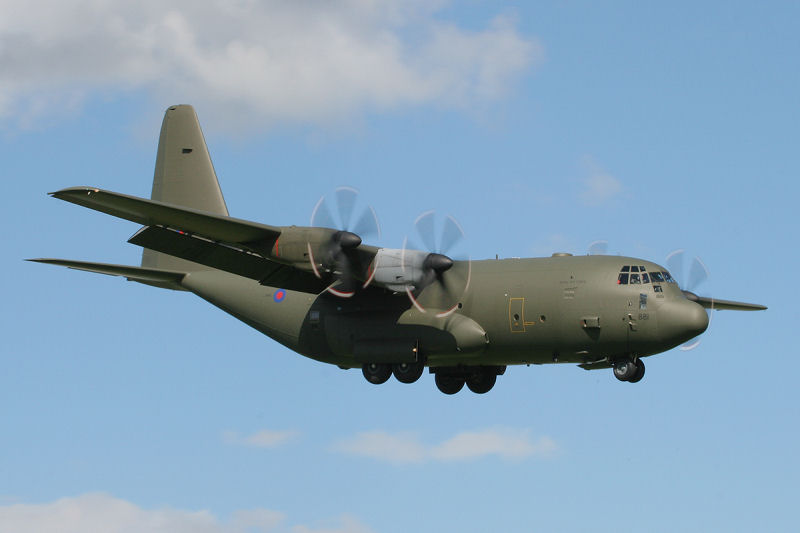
[398, 269]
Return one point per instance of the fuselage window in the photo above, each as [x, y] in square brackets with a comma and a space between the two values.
[635, 279]
[622, 279]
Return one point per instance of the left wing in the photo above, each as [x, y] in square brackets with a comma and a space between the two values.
[151, 213]
[291, 257]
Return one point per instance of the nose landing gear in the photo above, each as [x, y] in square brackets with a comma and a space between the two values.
[630, 371]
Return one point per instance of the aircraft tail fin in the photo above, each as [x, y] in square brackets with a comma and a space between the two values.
[184, 176]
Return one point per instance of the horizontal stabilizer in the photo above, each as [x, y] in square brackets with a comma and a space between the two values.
[165, 279]
[722, 305]
[153, 213]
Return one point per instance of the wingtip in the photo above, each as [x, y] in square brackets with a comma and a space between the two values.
[71, 190]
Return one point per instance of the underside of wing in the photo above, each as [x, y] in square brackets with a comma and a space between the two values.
[294, 258]
[228, 257]
[154, 213]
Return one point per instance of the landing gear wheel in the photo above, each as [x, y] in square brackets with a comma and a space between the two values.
[376, 373]
[637, 377]
[625, 370]
[449, 383]
[408, 372]
[481, 381]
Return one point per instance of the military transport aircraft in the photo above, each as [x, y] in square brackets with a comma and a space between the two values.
[323, 293]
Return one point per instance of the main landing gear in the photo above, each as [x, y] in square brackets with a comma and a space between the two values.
[377, 373]
[478, 379]
[449, 380]
[630, 371]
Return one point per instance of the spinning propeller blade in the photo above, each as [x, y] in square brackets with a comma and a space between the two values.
[697, 275]
[338, 254]
[447, 278]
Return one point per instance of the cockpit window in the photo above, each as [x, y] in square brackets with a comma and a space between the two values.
[638, 275]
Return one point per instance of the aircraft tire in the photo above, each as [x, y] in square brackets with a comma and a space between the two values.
[637, 377]
[481, 381]
[376, 373]
[625, 370]
[408, 372]
[449, 383]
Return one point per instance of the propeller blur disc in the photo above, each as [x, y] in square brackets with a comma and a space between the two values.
[690, 273]
[447, 268]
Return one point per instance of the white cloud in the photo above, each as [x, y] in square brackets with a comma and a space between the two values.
[261, 439]
[505, 443]
[253, 63]
[392, 447]
[101, 513]
[403, 448]
[599, 186]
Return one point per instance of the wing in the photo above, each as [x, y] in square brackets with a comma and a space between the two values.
[151, 213]
[722, 305]
[272, 255]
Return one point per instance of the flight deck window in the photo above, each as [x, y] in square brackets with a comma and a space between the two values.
[657, 288]
[645, 278]
[625, 269]
[622, 279]
[635, 279]
[634, 269]
[657, 277]
[668, 278]
[642, 269]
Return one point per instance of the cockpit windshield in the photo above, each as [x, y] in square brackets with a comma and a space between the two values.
[628, 276]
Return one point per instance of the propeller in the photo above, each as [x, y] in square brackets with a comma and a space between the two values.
[448, 279]
[690, 273]
[339, 254]
[598, 248]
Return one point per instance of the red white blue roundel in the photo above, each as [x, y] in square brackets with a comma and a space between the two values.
[279, 295]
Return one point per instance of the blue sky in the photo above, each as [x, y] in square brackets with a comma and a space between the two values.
[540, 128]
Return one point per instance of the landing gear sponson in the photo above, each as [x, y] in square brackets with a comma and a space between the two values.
[449, 380]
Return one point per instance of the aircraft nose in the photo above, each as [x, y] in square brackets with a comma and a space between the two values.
[695, 319]
[683, 320]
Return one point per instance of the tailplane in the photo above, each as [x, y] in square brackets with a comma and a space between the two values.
[184, 176]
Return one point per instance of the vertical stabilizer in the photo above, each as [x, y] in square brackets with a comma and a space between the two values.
[184, 176]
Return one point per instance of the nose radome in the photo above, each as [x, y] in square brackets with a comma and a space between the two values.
[696, 318]
[681, 320]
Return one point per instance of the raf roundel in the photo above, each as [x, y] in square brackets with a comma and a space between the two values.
[279, 296]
